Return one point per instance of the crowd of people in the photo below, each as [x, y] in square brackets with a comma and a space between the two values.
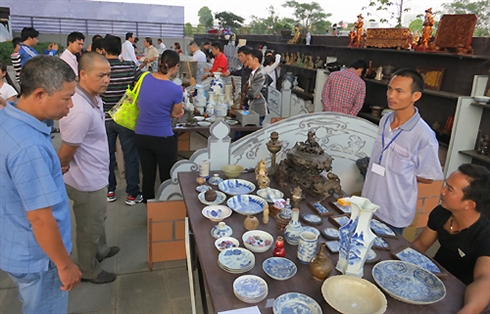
[81, 86]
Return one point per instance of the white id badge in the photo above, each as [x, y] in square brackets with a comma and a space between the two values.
[378, 169]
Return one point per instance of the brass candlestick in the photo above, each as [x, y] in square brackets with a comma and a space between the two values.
[274, 146]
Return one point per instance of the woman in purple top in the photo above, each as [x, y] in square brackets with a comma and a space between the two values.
[160, 99]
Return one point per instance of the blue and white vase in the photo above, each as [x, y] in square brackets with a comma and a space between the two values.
[217, 85]
[211, 104]
[308, 243]
[356, 237]
[293, 229]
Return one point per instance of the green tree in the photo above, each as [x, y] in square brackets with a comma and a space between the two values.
[188, 29]
[271, 24]
[201, 29]
[307, 13]
[229, 19]
[481, 8]
[205, 17]
[416, 25]
[394, 9]
[320, 27]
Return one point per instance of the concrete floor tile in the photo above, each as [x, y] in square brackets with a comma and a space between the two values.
[133, 255]
[142, 293]
[88, 297]
[175, 264]
[182, 306]
[177, 283]
[9, 301]
[132, 216]
[5, 281]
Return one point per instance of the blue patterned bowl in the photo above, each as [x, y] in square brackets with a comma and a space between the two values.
[270, 194]
[247, 204]
[257, 241]
[279, 268]
[295, 302]
[236, 186]
[408, 283]
[216, 212]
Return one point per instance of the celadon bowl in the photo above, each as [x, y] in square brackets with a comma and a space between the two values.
[232, 171]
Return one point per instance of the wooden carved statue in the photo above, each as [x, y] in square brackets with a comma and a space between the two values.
[352, 36]
[427, 31]
[359, 28]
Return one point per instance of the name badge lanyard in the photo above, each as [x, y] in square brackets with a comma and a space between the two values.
[383, 141]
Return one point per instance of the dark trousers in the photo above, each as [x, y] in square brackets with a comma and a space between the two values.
[131, 162]
[153, 151]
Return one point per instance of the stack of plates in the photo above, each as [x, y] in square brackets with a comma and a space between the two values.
[295, 302]
[236, 260]
[250, 289]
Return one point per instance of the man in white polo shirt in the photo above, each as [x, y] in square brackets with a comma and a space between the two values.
[84, 157]
[74, 47]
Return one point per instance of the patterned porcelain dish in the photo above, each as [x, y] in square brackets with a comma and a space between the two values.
[216, 212]
[381, 228]
[331, 233]
[236, 259]
[203, 188]
[408, 282]
[226, 243]
[236, 186]
[415, 257]
[270, 194]
[333, 246]
[215, 179]
[349, 294]
[380, 243]
[247, 204]
[221, 230]
[250, 288]
[371, 256]
[257, 241]
[295, 302]
[279, 268]
[220, 198]
[312, 219]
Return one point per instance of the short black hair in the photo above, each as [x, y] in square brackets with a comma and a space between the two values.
[97, 44]
[129, 35]
[97, 36]
[479, 186]
[112, 45]
[256, 54]
[136, 39]
[149, 40]
[269, 60]
[160, 40]
[16, 41]
[244, 49]
[359, 64]
[206, 43]
[217, 45]
[28, 32]
[417, 79]
[74, 36]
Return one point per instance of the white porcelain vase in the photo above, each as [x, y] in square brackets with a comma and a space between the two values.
[293, 229]
[217, 85]
[211, 104]
[356, 237]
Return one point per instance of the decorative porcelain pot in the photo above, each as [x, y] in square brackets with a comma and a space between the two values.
[251, 222]
[217, 85]
[221, 230]
[356, 237]
[321, 266]
[308, 242]
[293, 229]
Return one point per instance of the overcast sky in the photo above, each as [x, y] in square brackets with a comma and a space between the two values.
[345, 10]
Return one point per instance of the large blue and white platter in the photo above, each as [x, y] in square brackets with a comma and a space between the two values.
[279, 268]
[247, 204]
[236, 186]
[297, 303]
[413, 256]
[250, 288]
[408, 282]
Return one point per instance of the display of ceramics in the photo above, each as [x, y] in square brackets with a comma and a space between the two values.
[226, 243]
[380, 243]
[293, 229]
[331, 233]
[349, 294]
[415, 257]
[321, 266]
[257, 241]
[221, 230]
[343, 208]
[381, 229]
[250, 288]
[408, 282]
[217, 85]
[295, 302]
[220, 198]
[236, 260]
[279, 268]
[216, 212]
[236, 186]
[215, 179]
[333, 246]
[247, 204]
[312, 219]
[270, 194]
[320, 209]
[308, 243]
[203, 188]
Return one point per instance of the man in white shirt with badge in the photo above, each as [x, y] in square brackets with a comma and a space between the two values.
[127, 51]
[74, 47]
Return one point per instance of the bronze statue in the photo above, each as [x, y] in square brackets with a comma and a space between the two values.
[296, 36]
[427, 31]
[359, 28]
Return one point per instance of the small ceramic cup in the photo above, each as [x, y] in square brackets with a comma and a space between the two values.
[307, 246]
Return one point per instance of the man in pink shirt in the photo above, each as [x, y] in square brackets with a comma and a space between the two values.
[75, 46]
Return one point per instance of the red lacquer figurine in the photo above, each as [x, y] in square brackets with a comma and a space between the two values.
[279, 250]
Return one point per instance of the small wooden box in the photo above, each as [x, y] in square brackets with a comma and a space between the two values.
[248, 117]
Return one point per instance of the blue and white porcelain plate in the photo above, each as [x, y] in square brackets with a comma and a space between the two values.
[333, 246]
[344, 208]
[270, 194]
[236, 258]
[380, 243]
[331, 233]
[215, 180]
[312, 218]
[250, 288]
[247, 204]
[413, 256]
[341, 220]
[311, 229]
[381, 228]
[322, 210]
[408, 282]
[220, 198]
[295, 303]
[279, 268]
[216, 212]
[203, 188]
[236, 186]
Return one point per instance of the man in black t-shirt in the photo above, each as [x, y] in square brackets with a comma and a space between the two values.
[462, 226]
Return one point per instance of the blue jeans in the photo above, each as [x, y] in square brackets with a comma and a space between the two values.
[131, 160]
[40, 292]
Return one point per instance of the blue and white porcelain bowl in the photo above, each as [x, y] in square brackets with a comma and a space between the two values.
[257, 241]
[247, 204]
[224, 243]
[236, 186]
[216, 212]
[279, 268]
[295, 302]
[250, 288]
[270, 194]
[408, 282]
[203, 188]
[220, 198]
